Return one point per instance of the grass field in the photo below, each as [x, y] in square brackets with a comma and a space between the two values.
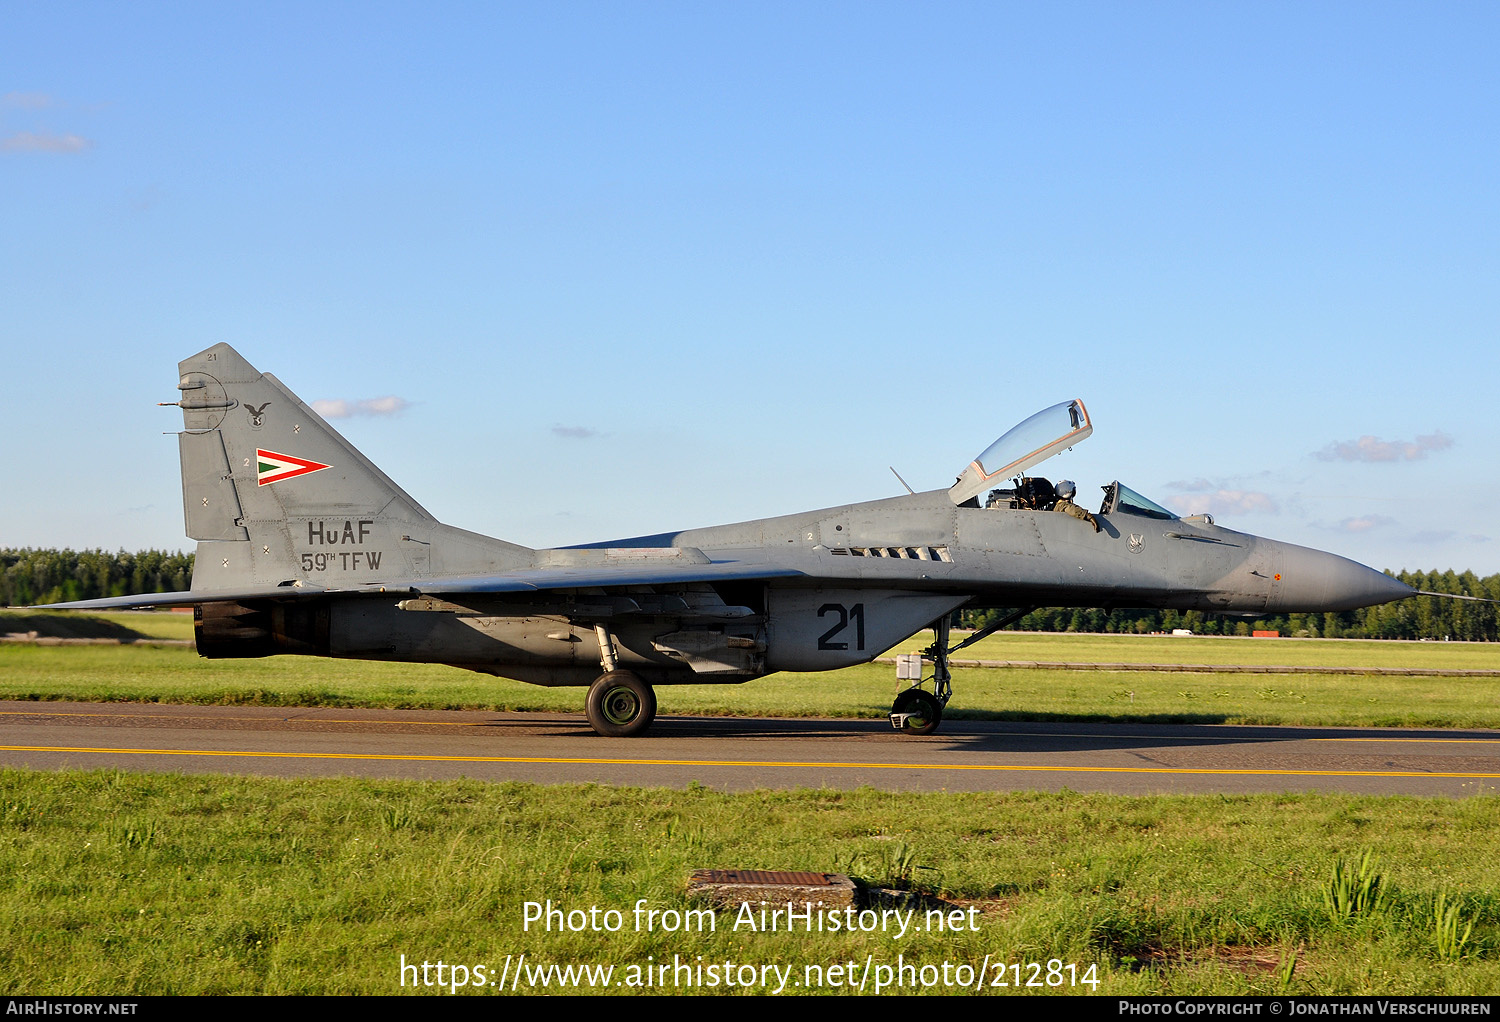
[1210, 649]
[177, 674]
[112, 882]
[121, 624]
[1142, 649]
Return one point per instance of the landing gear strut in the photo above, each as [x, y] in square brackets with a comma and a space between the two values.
[917, 711]
[620, 704]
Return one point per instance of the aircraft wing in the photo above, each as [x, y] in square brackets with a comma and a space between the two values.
[530, 580]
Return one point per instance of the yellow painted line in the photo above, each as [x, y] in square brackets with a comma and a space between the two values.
[1227, 738]
[486, 724]
[606, 761]
[1211, 738]
[1417, 741]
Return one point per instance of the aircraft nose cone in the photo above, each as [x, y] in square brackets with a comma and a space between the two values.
[1312, 580]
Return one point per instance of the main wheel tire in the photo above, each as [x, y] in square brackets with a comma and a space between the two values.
[620, 705]
[924, 709]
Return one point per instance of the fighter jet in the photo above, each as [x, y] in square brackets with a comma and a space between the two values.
[305, 547]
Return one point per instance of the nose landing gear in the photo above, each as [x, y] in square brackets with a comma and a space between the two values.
[917, 711]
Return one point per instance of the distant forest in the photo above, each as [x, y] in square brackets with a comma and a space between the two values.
[1422, 617]
[55, 576]
[58, 576]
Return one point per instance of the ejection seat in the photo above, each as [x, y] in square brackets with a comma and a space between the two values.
[1036, 493]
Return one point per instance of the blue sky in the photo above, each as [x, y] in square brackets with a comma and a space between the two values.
[599, 270]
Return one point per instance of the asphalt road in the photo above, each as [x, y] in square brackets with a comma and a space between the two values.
[741, 753]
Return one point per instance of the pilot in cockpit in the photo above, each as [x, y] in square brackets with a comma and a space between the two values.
[1066, 491]
[1033, 493]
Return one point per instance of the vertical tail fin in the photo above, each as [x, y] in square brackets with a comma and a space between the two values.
[274, 494]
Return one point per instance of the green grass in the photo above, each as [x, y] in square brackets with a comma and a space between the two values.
[154, 674]
[125, 624]
[117, 883]
[121, 883]
[1052, 647]
[1163, 649]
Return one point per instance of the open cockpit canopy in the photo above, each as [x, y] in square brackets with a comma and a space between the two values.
[1030, 443]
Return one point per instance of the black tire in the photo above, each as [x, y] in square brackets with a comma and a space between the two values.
[926, 712]
[620, 705]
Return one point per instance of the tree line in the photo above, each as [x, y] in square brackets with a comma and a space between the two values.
[30, 576]
[1422, 617]
[59, 576]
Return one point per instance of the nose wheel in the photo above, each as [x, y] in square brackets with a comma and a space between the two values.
[916, 711]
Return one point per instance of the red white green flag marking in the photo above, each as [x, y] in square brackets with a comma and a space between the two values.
[273, 467]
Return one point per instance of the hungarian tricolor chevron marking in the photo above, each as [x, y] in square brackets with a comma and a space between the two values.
[273, 468]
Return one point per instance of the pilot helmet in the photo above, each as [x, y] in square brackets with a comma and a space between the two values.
[1065, 489]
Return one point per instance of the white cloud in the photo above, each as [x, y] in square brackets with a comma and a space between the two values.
[1224, 502]
[575, 432]
[1365, 523]
[1198, 485]
[1446, 536]
[338, 408]
[388, 405]
[44, 142]
[1369, 448]
[28, 100]
[333, 408]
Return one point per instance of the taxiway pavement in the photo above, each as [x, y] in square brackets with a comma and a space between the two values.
[746, 753]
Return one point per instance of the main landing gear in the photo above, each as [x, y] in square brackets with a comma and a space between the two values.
[620, 704]
[917, 711]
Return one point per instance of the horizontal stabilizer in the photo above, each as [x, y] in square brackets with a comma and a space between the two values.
[185, 599]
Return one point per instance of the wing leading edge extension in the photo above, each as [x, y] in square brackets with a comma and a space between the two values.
[535, 580]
